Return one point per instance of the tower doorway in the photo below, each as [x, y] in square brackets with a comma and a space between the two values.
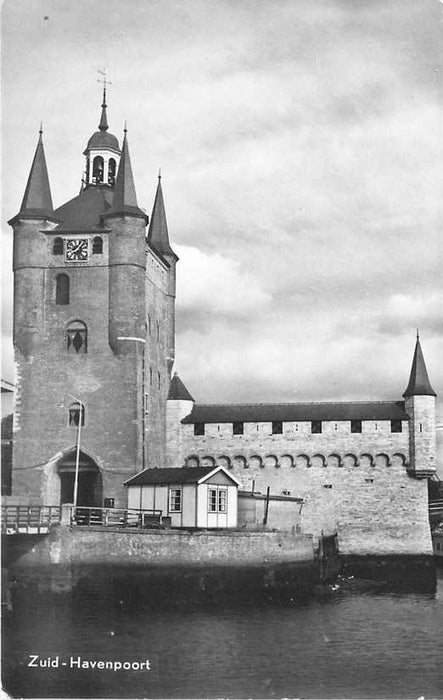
[90, 483]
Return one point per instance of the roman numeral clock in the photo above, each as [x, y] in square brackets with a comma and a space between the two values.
[76, 250]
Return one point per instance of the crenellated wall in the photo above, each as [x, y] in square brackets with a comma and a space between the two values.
[356, 484]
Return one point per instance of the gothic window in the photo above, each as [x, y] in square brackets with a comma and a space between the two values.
[62, 290]
[77, 338]
[97, 245]
[76, 415]
[355, 426]
[396, 426]
[316, 426]
[97, 170]
[57, 246]
[111, 171]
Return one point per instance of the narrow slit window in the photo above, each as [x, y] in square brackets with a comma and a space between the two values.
[97, 245]
[57, 246]
[62, 290]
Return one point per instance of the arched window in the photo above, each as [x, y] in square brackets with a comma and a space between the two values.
[77, 338]
[57, 246]
[97, 245]
[62, 289]
[76, 414]
[111, 171]
[97, 170]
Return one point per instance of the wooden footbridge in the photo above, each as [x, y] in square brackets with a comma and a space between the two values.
[30, 520]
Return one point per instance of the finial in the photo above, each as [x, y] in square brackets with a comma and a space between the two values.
[103, 126]
[125, 128]
[418, 334]
[159, 174]
[40, 131]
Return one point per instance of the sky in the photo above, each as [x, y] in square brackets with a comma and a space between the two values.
[301, 149]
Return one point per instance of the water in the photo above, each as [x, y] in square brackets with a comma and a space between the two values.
[354, 642]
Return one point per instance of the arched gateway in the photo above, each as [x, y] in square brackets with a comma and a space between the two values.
[90, 485]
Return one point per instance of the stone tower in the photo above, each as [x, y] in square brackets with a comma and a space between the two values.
[94, 298]
[420, 406]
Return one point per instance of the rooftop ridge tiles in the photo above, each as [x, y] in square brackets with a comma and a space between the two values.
[301, 403]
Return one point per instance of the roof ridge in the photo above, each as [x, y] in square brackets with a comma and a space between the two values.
[298, 403]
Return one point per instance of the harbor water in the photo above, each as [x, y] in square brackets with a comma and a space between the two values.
[349, 639]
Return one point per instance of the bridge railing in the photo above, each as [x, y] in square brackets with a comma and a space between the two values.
[117, 517]
[29, 519]
[435, 506]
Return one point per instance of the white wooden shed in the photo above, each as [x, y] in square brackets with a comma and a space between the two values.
[191, 496]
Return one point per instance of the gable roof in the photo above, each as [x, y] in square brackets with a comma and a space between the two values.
[174, 475]
[268, 412]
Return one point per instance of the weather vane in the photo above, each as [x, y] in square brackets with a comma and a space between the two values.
[104, 79]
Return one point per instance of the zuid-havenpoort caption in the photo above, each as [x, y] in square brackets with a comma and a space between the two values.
[80, 662]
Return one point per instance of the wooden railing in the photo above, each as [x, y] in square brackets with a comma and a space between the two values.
[117, 517]
[29, 519]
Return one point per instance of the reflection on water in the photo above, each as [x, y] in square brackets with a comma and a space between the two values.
[352, 642]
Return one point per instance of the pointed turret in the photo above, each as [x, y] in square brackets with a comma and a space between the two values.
[419, 384]
[103, 126]
[158, 236]
[37, 200]
[178, 391]
[125, 198]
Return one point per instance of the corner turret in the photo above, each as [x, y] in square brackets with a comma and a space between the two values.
[420, 405]
[179, 405]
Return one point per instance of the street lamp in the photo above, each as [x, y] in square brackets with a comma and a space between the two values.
[77, 455]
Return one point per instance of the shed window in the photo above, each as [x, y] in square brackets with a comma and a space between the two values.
[76, 414]
[57, 246]
[77, 338]
[277, 427]
[316, 426]
[217, 499]
[396, 426]
[97, 245]
[355, 426]
[237, 428]
[62, 290]
[199, 428]
[175, 500]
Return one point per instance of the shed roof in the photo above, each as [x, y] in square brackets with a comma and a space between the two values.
[174, 475]
[267, 412]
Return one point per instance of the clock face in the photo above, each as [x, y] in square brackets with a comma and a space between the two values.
[76, 249]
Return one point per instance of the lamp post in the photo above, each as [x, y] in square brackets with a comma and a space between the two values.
[77, 454]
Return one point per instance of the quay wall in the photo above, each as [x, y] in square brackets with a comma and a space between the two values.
[153, 549]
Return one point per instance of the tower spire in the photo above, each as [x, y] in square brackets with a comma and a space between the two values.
[37, 200]
[158, 236]
[103, 126]
[419, 384]
[125, 198]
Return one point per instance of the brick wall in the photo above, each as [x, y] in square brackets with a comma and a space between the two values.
[355, 484]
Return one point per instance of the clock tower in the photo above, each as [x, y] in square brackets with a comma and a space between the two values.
[94, 299]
